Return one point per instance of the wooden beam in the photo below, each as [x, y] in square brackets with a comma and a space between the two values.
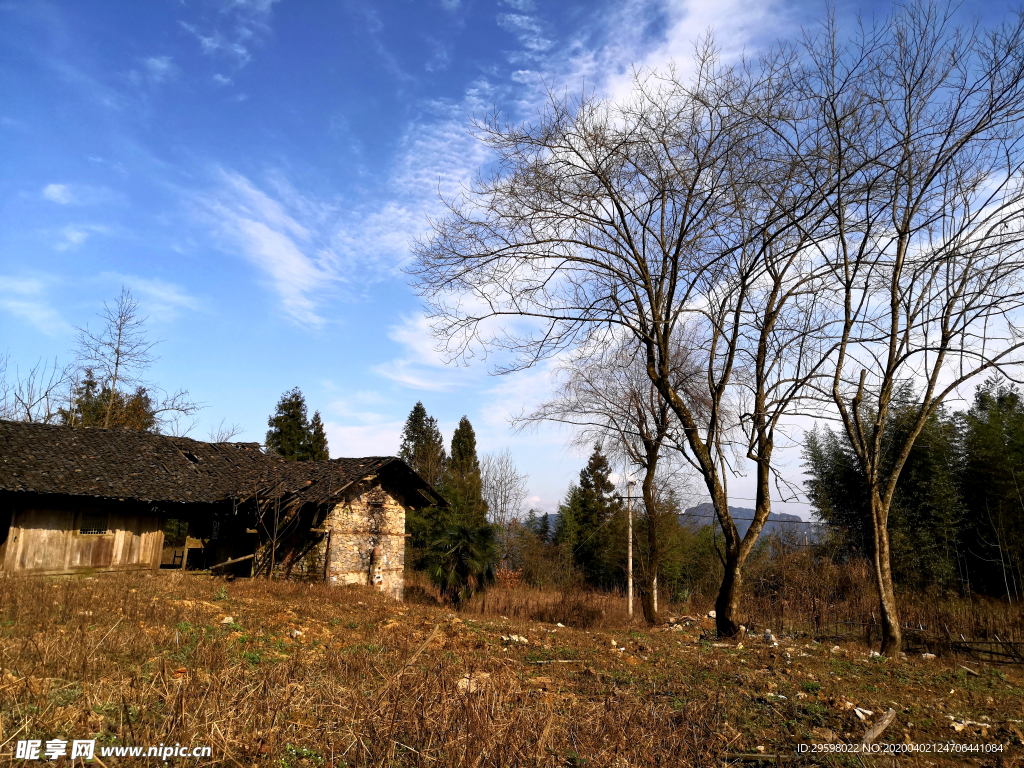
[232, 561]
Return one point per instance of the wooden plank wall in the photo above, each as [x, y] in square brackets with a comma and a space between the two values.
[48, 541]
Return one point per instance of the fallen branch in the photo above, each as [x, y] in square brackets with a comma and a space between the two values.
[969, 671]
[231, 562]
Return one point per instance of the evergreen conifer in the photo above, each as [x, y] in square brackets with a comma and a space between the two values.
[291, 435]
[462, 484]
[318, 439]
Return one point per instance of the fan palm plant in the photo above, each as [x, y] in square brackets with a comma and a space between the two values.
[462, 560]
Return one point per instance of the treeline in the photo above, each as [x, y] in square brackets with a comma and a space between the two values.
[461, 543]
[585, 542]
[956, 523]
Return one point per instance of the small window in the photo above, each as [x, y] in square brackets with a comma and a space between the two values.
[93, 523]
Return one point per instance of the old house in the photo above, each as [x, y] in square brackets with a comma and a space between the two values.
[75, 500]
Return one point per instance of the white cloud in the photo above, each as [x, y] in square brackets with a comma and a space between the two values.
[357, 407]
[299, 265]
[159, 68]
[364, 440]
[241, 26]
[160, 299]
[420, 366]
[77, 194]
[58, 193]
[26, 298]
[220, 79]
[73, 235]
[527, 29]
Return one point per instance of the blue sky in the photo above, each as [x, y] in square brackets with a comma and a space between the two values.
[254, 170]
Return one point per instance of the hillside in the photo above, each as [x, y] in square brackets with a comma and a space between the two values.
[778, 523]
[290, 675]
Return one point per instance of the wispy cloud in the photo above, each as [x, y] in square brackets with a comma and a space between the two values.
[298, 264]
[58, 193]
[439, 155]
[160, 299]
[158, 68]
[528, 29]
[420, 366]
[27, 298]
[76, 194]
[73, 235]
[241, 26]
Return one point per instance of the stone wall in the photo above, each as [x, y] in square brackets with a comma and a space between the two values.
[367, 541]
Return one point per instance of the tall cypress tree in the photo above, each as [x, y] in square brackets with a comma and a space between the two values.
[463, 484]
[422, 445]
[586, 523]
[423, 449]
[288, 435]
[291, 435]
[318, 439]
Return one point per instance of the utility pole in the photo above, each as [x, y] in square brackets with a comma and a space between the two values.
[629, 549]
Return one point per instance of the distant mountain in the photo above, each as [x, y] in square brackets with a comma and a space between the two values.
[779, 523]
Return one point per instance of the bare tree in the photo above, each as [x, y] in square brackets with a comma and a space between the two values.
[607, 397]
[504, 490]
[119, 354]
[676, 207]
[919, 125]
[37, 396]
[223, 433]
[120, 351]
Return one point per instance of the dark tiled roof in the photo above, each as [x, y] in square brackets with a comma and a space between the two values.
[126, 463]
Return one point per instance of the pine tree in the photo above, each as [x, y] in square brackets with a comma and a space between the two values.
[318, 439]
[423, 449]
[544, 528]
[422, 445]
[567, 527]
[462, 484]
[593, 511]
[93, 405]
[292, 436]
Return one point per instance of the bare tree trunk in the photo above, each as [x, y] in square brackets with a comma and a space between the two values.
[892, 635]
[649, 599]
[728, 601]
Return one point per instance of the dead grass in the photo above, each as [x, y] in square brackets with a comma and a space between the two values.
[310, 675]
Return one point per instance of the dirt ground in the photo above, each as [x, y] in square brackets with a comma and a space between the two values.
[293, 675]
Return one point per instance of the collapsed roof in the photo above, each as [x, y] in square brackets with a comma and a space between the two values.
[133, 464]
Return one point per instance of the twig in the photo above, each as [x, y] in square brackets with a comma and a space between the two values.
[409, 662]
[224, 746]
[544, 736]
[105, 637]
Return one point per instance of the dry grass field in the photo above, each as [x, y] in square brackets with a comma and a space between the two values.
[289, 675]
